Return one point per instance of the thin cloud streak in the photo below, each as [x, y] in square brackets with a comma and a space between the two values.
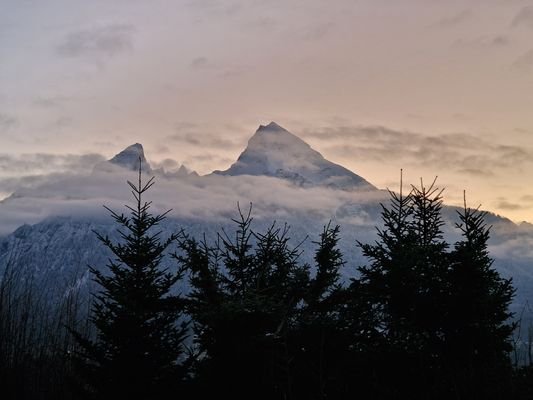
[7, 122]
[108, 41]
[454, 20]
[43, 163]
[524, 63]
[462, 152]
[524, 17]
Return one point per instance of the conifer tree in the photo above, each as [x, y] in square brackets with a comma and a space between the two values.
[389, 286]
[318, 340]
[479, 327]
[405, 277]
[441, 316]
[139, 349]
[245, 294]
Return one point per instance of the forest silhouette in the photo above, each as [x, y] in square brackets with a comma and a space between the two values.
[423, 319]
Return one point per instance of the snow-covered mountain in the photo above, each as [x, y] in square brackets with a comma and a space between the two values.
[129, 158]
[274, 151]
[284, 178]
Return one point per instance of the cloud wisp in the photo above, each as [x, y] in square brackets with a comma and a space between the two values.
[107, 41]
[462, 152]
[43, 163]
[524, 63]
[454, 20]
[524, 17]
[7, 122]
[203, 139]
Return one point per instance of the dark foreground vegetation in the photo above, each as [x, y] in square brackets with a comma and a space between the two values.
[425, 319]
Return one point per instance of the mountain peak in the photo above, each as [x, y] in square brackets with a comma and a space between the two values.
[274, 151]
[129, 158]
[273, 139]
[272, 126]
[135, 147]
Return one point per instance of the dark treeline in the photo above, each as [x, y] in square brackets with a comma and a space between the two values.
[425, 319]
[35, 342]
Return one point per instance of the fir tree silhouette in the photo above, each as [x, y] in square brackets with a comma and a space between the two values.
[139, 349]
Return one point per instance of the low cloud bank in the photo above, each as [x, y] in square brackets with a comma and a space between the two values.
[208, 197]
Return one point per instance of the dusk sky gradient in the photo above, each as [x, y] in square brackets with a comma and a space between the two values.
[434, 87]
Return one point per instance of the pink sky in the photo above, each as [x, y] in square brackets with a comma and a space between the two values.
[434, 87]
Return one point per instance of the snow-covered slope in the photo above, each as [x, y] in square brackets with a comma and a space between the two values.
[55, 253]
[274, 151]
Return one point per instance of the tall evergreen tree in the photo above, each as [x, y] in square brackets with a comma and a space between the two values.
[139, 350]
[478, 321]
[318, 340]
[441, 315]
[406, 274]
[246, 290]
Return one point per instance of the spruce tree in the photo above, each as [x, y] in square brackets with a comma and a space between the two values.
[441, 315]
[404, 281]
[139, 349]
[246, 291]
[318, 340]
[478, 322]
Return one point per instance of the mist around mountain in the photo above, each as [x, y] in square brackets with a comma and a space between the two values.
[281, 175]
[278, 173]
